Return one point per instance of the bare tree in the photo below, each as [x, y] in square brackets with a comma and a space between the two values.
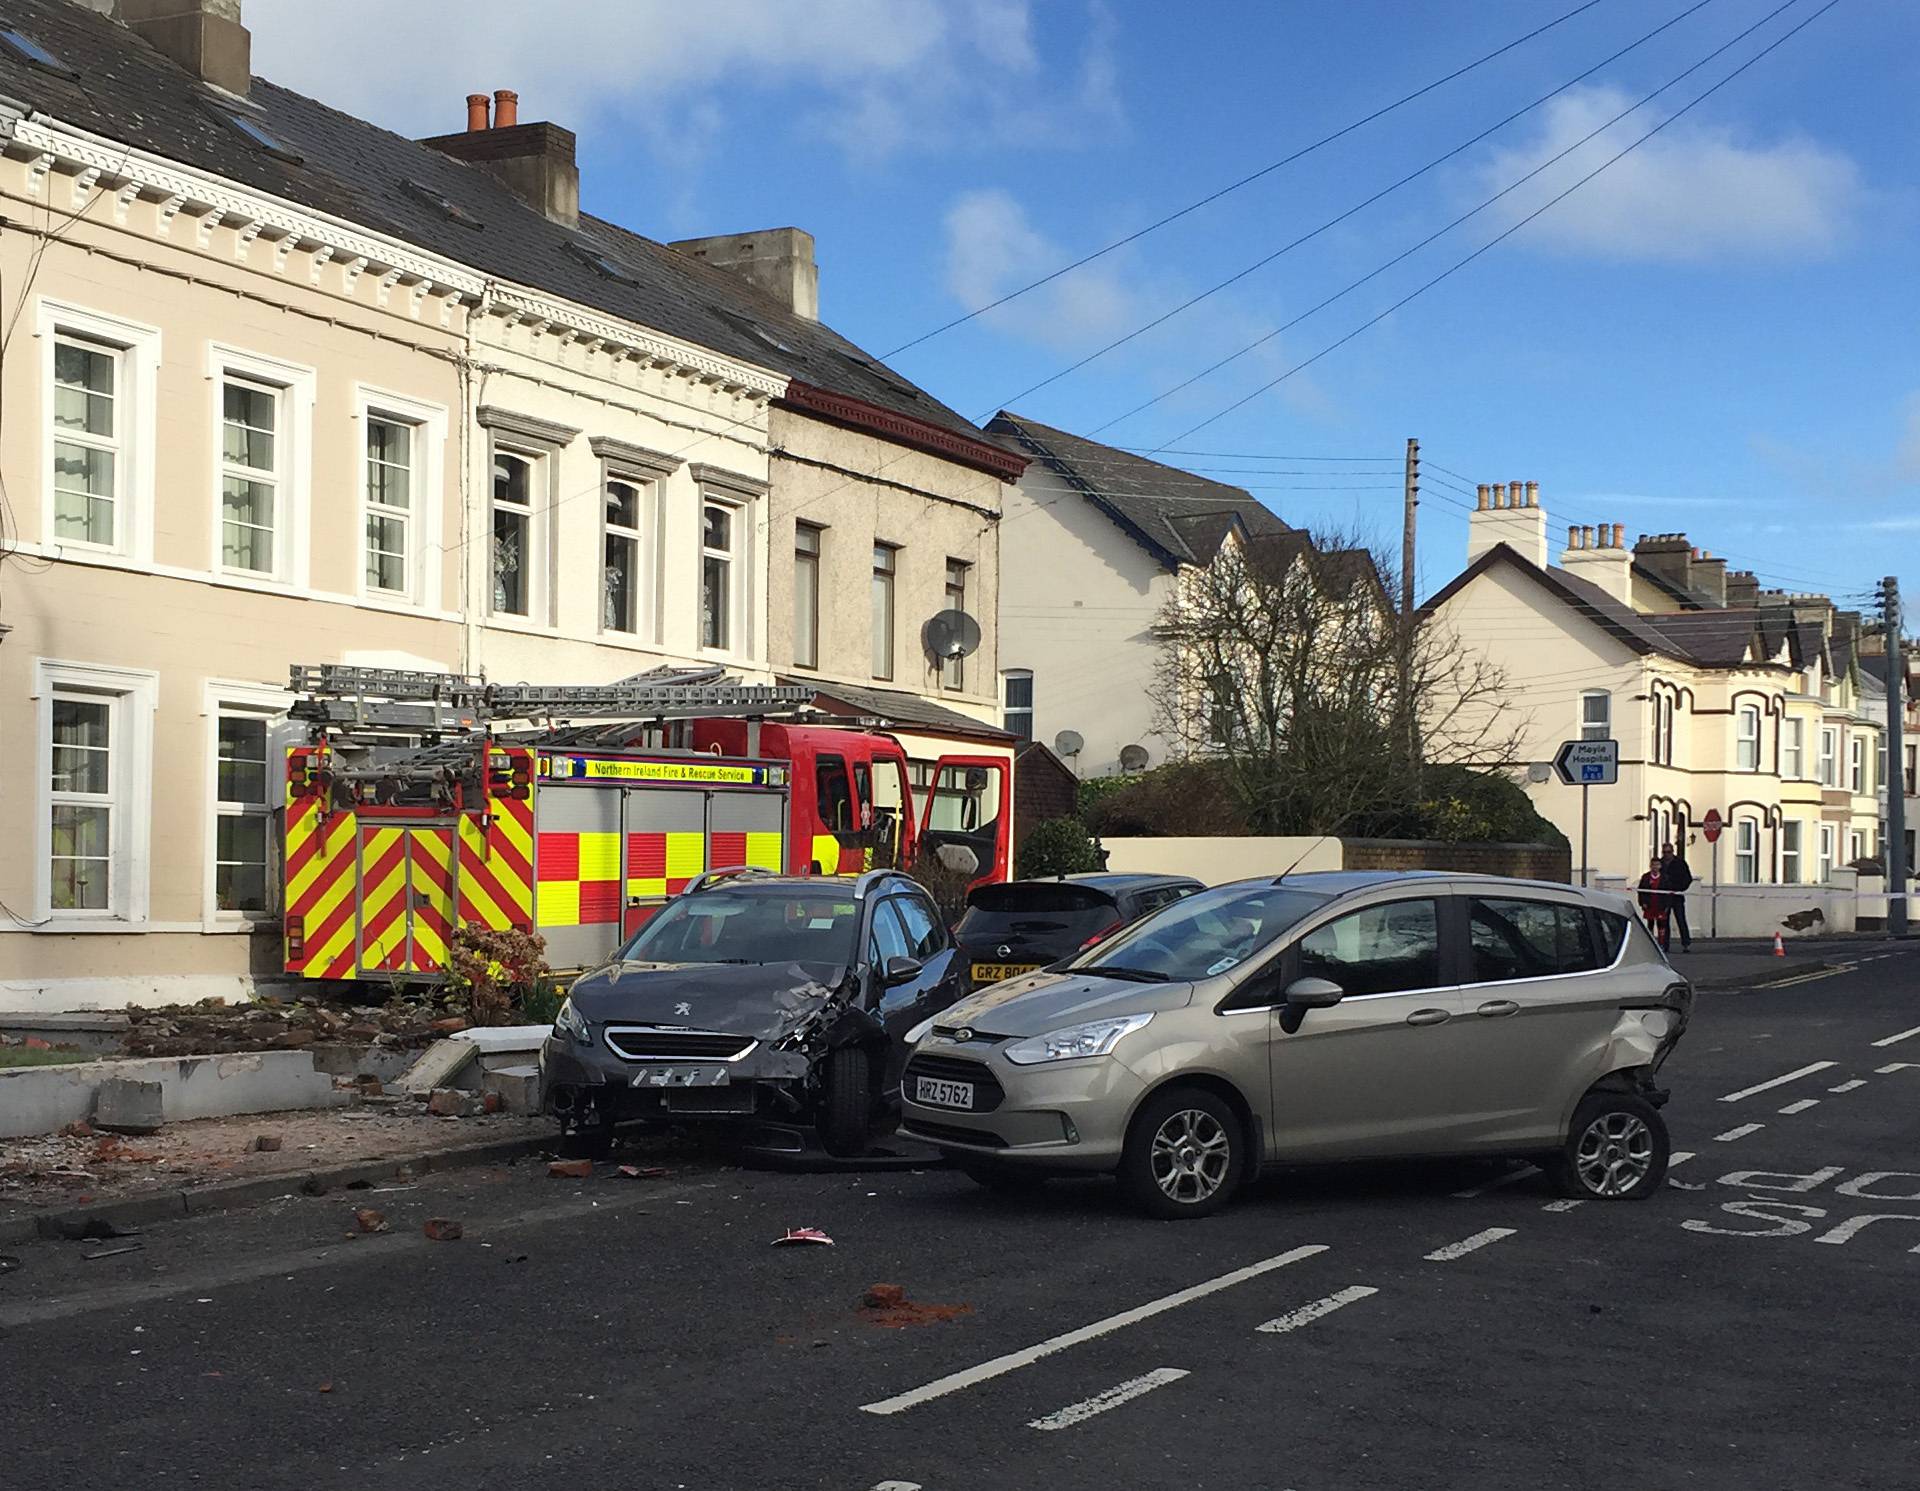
[1282, 660]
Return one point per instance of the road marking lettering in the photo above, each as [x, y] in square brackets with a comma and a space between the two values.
[1493, 1185]
[1794, 1076]
[1780, 1180]
[1113, 1397]
[1468, 1245]
[1801, 1106]
[1567, 1205]
[1739, 1133]
[1027, 1356]
[1855, 1224]
[1849, 1086]
[1679, 1157]
[1858, 1185]
[1891, 1067]
[1307, 1314]
[1894, 1040]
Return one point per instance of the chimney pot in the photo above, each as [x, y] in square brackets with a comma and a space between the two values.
[1513, 494]
[1481, 496]
[476, 112]
[1586, 536]
[1619, 533]
[1573, 535]
[1533, 494]
[506, 108]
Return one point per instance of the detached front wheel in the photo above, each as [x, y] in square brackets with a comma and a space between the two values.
[1616, 1149]
[846, 1113]
[1185, 1155]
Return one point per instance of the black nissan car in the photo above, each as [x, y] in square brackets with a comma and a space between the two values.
[1014, 928]
[765, 1003]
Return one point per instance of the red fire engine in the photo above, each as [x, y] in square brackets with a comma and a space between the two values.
[424, 801]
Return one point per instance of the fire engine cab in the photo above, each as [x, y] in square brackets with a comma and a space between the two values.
[424, 801]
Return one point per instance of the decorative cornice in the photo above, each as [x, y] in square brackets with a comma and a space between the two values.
[634, 457]
[251, 212]
[903, 429]
[526, 427]
[727, 481]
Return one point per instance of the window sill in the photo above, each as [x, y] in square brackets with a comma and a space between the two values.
[64, 926]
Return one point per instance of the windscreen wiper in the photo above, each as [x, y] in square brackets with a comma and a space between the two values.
[1139, 975]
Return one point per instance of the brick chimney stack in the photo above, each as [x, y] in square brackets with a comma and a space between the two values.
[203, 36]
[536, 161]
[1509, 514]
[1597, 554]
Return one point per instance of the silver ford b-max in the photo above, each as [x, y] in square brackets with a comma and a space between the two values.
[1318, 1017]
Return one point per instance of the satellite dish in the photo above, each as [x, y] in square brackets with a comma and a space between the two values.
[949, 635]
[1133, 757]
[1540, 771]
[1069, 743]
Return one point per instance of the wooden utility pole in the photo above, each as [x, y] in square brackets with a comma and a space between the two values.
[1895, 854]
[1412, 503]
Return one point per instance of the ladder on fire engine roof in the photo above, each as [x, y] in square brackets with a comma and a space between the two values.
[348, 697]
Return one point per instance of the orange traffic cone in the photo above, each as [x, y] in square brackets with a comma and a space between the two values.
[1779, 947]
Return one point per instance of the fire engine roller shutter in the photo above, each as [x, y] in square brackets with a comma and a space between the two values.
[745, 829]
[666, 841]
[577, 885]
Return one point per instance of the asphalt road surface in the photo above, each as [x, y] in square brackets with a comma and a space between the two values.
[1388, 1326]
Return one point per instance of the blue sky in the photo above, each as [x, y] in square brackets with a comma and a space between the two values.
[1716, 334]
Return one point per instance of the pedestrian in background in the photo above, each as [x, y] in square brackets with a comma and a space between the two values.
[1653, 902]
[1675, 880]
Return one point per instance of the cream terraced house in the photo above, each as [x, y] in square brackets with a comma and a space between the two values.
[286, 388]
[1721, 695]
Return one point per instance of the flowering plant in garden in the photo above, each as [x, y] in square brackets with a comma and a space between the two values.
[491, 970]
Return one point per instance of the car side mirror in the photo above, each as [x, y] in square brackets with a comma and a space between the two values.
[1313, 993]
[901, 971]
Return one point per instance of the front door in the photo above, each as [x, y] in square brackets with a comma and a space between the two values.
[1380, 1072]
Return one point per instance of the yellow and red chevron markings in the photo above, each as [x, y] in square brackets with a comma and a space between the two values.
[321, 878]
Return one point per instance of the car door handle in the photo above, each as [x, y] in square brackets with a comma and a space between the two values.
[1496, 1007]
[1429, 1017]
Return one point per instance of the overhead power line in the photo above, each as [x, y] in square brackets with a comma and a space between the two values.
[1500, 238]
[1358, 207]
[1442, 231]
[1244, 181]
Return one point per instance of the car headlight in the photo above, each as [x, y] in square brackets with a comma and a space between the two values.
[570, 1024]
[920, 1032]
[1095, 1038]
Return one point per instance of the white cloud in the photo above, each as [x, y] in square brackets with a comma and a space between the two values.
[876, 76]
[1694, 191]
[993, 249]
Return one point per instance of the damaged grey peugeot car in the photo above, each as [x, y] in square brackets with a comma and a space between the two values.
[1318, 1017]
[765, 1004]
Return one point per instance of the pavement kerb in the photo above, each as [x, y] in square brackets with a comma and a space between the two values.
[140, 1211]
[1791, 968]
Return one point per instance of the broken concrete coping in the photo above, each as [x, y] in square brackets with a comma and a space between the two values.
[494, 1048]
[39, 1100]
[493, 1040]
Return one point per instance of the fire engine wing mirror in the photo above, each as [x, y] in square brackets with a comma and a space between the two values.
[901, 971]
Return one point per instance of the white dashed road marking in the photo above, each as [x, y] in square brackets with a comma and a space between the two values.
[1493, 1185]
[1893, 1066]
[1307, 1314]
[1739, 1133]
[896, 1486]
[1468, 1245]
[1849, 1086]
[1027, 1356]
[1801, 1106]
[1795, 1076]
[1113, 1397]
[1905, 1035]
[1567, 1205]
